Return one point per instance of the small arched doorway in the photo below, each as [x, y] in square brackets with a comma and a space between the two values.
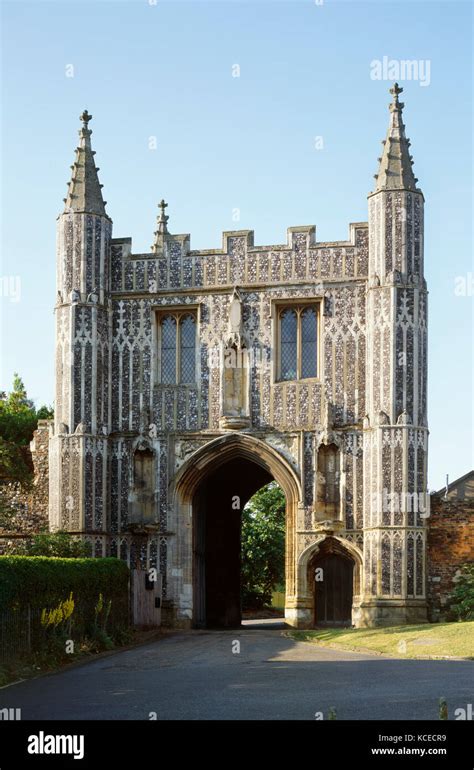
[332, 574]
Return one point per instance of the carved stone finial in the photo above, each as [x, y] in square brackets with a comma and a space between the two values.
[85, 190]
[395, 90]
[163, 218]
[85, 117]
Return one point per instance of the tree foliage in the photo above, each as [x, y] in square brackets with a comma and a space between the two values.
[461, 601]
[263, 546]
[18, 420]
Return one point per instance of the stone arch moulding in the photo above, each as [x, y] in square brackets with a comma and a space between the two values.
[210, 457]
[304, 591]
[228, 447]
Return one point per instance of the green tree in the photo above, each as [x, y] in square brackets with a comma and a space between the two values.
[263, 546]
[18, 421]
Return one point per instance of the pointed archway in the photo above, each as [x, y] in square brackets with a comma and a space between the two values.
[210, 490]
[330, 577]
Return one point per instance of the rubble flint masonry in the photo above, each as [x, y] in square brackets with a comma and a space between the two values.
[130, 453]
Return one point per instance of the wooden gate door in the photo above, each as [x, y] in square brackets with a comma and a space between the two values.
[146, 599]
[333, 594]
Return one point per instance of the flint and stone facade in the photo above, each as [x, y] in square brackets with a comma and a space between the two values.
[366, 404]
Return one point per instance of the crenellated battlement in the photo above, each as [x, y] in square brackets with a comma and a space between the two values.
[301, 260]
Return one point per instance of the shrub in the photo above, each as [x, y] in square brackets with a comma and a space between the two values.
[44, 583]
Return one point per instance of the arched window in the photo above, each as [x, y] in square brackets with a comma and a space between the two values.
[298, 342]
[177, 348]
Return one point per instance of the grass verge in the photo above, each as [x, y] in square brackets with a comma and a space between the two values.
[429, 640]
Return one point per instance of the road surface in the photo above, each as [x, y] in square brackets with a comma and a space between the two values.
[253, 673]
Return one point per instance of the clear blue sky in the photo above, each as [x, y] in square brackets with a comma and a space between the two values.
[224, 142]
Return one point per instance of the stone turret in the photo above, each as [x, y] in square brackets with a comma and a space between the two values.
[395, 440]
[83, 330]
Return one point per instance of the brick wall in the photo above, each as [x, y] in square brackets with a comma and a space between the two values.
[450, 544]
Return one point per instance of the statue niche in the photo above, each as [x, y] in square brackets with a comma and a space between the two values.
[235, 371]
[141, 508]
[327, 483]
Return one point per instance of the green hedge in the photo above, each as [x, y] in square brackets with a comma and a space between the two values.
[43, 581]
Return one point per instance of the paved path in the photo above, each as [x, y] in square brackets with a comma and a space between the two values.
[196, 675]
